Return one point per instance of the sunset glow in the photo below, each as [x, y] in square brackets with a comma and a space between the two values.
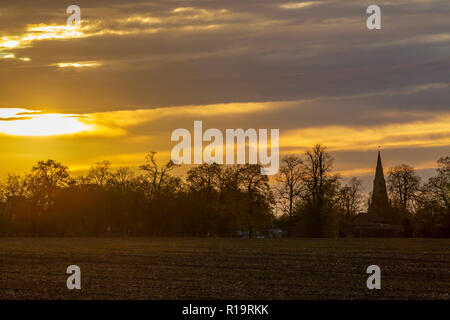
[78, 64]
[224, 150]
[22, 122]
[128, 75]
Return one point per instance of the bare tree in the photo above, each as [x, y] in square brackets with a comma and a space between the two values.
[319, 182]
[290, 184]
[350, 197]
[205, 178]
[158, 176]
[45, 178]
[100, 173]
[257, 188]
[403, 184]
[14, 186]
[123, 175]
[122, 178]
[317, 205]
[439, 185]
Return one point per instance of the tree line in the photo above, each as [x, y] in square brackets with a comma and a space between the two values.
[315, 202]
[306, 198]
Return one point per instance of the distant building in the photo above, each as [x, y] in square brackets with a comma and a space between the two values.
[378, 221]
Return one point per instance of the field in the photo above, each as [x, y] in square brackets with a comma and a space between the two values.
[182, 268]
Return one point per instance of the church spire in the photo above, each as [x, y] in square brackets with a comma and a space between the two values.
[380, 200]
[379, 171]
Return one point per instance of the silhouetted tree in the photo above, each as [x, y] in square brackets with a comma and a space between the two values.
[318, 201]
[158, 177]
[212, 200]
[257, 189]
[350, 197]
[290, 186]
[432, 212]
[403, 185]
[100, 174]
[439, 185]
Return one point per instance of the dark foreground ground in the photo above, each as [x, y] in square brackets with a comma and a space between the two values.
[179, 268]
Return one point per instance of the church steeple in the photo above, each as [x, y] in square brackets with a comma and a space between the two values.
[379, 175]
[380, 200]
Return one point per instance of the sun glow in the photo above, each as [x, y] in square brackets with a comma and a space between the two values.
[10, 44]
[77, 64]
[433, 132]
[40, 32]
[23, 122]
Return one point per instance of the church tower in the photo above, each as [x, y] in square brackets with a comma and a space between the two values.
[380, 220]
[379, 202]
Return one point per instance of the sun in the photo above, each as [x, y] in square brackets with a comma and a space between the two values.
[23, 122]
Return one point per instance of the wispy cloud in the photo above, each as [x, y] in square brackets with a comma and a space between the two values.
[298, 5]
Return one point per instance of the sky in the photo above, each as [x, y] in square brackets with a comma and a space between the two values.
[115, 88]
